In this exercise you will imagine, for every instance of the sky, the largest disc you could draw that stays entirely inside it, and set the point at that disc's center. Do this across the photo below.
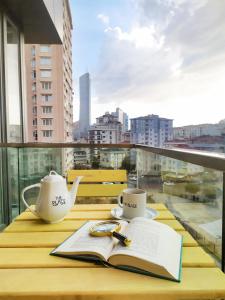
(164, 57)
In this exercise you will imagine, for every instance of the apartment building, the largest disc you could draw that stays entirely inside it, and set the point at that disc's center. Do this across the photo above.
(112, 159)
(107, 130)
(191, 131)
(151, 130)
(204, 142)
(50, 91)
(49, 87)
(122, 117)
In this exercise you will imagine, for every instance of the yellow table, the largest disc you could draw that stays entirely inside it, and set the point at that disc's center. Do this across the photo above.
(27, 271)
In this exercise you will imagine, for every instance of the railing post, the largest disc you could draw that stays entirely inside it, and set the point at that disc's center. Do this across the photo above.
(223, 227)
(137, 182)
(5, 188)
(19, 176)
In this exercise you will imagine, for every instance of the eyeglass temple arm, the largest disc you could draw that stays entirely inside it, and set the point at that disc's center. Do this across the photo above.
(122, 238)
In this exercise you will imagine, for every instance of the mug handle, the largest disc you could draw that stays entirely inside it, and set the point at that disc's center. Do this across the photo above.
(24, 201)
(119, 200)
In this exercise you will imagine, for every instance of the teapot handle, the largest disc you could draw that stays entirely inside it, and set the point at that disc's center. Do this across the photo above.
(24, 201)
(119, 200)
(53, 173)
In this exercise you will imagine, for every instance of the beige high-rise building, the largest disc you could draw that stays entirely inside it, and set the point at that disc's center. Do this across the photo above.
(50, 91)
(49, 88)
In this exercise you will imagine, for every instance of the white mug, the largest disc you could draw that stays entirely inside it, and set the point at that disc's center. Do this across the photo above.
(134, 203)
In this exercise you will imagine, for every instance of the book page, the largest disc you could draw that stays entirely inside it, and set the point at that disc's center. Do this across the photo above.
(81, 243)
(153, 242)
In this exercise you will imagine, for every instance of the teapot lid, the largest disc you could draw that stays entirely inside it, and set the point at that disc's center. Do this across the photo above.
(53, 176)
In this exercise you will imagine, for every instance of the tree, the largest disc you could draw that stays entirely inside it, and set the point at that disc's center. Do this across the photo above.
(95, 163)
(126, 164)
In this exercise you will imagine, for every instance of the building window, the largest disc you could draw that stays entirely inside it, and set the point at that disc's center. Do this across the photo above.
(44, 60)
(34, 122)
(47, 109)
(47, 133)
(45, 48)
(33, 52)
(34, 99)
(34, 87)
(35, 135)
(46, 97)
(46, 85)
(33, 74)
(46, 73)
(33, 63)
(47, 122)
(35, 110)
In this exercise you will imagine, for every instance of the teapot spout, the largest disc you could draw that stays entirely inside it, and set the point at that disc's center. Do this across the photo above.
(73, 191)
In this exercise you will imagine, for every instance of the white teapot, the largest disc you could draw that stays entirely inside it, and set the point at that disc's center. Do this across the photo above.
(54, 200)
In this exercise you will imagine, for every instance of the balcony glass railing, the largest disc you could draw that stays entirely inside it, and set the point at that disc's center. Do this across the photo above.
(193, 193)
(190, 184)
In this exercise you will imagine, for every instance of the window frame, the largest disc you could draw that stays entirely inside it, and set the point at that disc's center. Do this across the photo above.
(47, 46)
(47, 71)
(47, 131)
(46, 108)
(45, 83)
(6, 193)
(45, 121)
(46, 96)
(19, 56)
(42, 58)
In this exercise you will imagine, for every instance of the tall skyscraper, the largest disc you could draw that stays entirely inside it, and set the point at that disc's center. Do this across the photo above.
(49, 87)
(85, 105)
(151, 130)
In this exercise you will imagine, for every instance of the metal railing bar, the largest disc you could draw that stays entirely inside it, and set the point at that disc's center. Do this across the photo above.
(223, 227)
(203, 158)
(64, 145)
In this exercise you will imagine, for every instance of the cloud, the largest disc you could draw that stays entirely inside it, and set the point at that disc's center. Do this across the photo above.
(133, 63)
(172, 48)
(140, 37)
(103, 18)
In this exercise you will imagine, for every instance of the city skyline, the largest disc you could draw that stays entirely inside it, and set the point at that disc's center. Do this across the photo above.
(168, 57)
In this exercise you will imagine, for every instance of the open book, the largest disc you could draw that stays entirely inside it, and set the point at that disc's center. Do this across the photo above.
(155, 248)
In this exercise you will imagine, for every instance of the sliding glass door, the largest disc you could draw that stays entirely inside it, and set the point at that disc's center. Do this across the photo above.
(11, 130)
(12, 82)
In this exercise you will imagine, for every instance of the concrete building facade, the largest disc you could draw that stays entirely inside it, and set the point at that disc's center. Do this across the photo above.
(85, 105)
(122, 117)
(191, 131)
(49, 87)
(107, 130)
(151, 130)
(112, 159)
(204, 142)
